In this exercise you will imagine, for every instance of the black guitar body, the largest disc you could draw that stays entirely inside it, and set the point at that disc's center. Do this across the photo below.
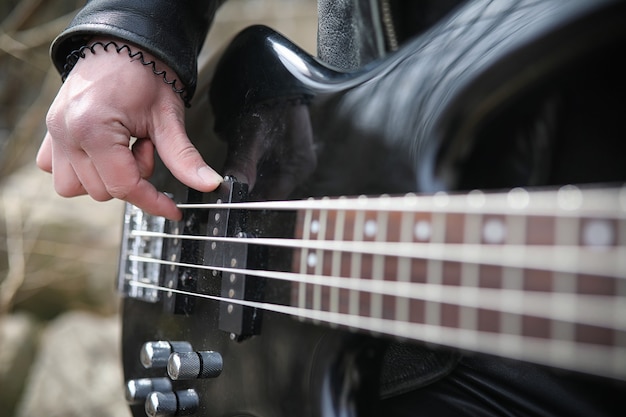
(292, 369)
(527, 94)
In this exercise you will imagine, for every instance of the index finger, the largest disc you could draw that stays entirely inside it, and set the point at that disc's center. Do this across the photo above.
(122, 178)
(181, 157)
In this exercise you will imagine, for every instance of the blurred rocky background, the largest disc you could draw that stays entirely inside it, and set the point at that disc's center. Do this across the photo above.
(59, 323)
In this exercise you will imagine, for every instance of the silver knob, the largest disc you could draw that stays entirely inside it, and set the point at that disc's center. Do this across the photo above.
(179, 403)
(137, 390)
(192, 365)
(155, 354)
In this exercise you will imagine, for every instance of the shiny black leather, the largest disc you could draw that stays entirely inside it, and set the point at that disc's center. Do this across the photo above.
(173, 31)
(350, 33)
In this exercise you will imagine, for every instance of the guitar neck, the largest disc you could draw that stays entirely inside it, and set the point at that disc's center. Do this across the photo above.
(538, 276)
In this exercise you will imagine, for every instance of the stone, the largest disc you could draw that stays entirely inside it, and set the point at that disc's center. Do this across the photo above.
(78, 370)
(18, 344)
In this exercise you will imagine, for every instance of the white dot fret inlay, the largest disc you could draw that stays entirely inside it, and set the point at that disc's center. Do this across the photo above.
(422, 230)
(315, 226)
(370, 228)
(598, 233)
(311, 260)
(494, 231)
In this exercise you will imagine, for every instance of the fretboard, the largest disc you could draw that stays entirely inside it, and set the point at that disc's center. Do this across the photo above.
(539, 276)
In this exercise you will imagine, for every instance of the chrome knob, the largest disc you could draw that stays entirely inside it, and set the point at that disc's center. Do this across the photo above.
(179, 403)
(155, 354)
(193, 365)
(137, 390)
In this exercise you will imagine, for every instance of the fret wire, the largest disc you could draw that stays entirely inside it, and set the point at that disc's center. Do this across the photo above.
(566, 231)
(434, 271)
(468, 317)
(589, 358)
(540, 257)
(404, 266)
(378, 264)
(304, 254)
(620, 290)
(321, 235)
(593, 309)
(355, 261)
(513, 278)
(336, 259)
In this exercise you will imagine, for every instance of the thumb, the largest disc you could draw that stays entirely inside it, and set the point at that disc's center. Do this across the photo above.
(182, 158)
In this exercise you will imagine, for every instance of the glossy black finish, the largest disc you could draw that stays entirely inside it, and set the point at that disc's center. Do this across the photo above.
(450, 108)
(293, 368)
(492, 96)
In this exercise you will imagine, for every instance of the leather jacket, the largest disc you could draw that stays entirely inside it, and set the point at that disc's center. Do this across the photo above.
(173, 31)
(351, 33)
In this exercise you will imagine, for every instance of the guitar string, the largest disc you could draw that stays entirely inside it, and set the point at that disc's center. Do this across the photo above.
(606, 212)
(595, 310)
(570, 259)
(592, 358)
(608, 203)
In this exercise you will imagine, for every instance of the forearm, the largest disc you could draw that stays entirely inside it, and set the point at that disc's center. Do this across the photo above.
(172, 31)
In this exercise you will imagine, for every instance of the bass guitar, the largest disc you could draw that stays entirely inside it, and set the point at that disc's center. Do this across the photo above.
(418, 200)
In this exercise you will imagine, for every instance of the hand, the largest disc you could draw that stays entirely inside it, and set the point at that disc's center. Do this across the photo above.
(107, 99)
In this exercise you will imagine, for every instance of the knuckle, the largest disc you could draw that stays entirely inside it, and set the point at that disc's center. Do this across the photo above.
(71, 121)
(80, 125)
(52, 120)
(121, 190)
(100, 196)
(188, 153)
(68, 189)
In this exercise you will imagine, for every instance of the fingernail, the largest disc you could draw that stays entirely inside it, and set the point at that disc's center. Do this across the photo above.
(209, 176)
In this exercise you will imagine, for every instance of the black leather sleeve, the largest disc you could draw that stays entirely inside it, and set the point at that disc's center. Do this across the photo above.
(172, 31)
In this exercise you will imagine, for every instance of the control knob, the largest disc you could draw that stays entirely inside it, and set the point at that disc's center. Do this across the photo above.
(155, 354)
(194, 365)
(137, 390)
(179, 403)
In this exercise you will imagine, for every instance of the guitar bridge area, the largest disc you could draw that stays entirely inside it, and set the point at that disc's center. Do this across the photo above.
(154, 259)
(140, 242)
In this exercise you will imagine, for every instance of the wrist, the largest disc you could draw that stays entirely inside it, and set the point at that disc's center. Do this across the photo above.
(120, 47)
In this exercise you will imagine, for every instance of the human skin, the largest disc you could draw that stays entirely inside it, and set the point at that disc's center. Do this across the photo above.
(107, 99)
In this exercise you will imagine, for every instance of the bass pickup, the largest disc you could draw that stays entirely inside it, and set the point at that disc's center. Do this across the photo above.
(226, 259)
